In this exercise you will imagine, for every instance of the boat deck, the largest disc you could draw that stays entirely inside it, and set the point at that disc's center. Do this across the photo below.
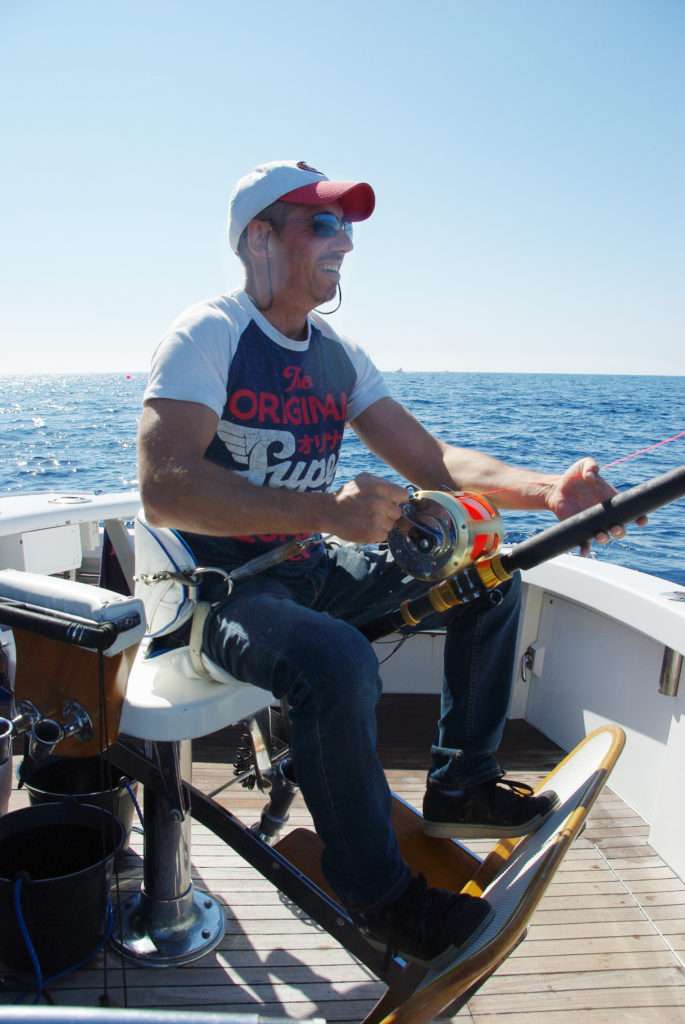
(607, 943)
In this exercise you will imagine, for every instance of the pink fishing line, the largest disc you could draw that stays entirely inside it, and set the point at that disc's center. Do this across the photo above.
(641, 451)
(615, 462)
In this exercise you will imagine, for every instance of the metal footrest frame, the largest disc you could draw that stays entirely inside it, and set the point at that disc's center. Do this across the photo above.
(171, 923)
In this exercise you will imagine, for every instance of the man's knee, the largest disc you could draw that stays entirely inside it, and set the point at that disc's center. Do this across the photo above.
(339, 666)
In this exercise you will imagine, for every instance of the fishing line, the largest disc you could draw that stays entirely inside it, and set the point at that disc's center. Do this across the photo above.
(641, 451)
(614, 462)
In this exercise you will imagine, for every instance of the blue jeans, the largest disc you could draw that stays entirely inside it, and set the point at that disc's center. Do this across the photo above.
(294, 636)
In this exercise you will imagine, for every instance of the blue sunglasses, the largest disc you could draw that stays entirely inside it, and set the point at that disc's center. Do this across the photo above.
(327, 225)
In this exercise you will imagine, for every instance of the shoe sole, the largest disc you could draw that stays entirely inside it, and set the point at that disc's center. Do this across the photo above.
(456, 830)
(447, 956)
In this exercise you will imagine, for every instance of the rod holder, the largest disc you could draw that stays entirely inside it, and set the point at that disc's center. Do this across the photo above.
(26, 717)
(44, 737)
(671, 668)
(46, 733)
(6, 733)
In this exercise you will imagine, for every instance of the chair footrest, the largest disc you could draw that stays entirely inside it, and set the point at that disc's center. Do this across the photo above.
(444, 862)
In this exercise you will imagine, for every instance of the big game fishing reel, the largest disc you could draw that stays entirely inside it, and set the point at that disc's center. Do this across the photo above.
(453, 540)
(442, 533)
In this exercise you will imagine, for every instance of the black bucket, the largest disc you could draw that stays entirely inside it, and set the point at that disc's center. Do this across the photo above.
(85, 780)
(64, 854)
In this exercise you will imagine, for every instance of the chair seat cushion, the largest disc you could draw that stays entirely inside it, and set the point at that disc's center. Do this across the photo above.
(166, 699)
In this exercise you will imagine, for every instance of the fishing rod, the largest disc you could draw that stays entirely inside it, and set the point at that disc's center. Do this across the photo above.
(453, 540)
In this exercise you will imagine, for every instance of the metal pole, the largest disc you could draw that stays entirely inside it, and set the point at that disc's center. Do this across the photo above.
(671, 667)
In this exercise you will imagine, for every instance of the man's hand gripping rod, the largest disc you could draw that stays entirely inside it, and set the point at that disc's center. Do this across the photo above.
(455, 539)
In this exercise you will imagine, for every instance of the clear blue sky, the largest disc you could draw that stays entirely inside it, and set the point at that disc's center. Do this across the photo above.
(527, 159)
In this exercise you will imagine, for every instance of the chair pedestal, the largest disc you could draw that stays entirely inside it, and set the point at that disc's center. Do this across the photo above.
(168, 922)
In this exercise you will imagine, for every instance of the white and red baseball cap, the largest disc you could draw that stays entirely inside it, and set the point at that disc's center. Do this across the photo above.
(293, 181)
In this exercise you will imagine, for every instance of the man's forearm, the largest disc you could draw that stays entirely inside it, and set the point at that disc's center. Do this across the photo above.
(392, 433)
(202, 497)
(509, 486)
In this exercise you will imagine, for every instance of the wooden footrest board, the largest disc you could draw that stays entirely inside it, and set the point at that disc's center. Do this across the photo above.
(526, 868)
(444, 862)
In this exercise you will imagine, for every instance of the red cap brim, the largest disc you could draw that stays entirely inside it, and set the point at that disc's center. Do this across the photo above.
(356, 197)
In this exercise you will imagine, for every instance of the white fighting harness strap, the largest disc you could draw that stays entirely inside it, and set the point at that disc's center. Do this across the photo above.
(190, 578)
(202, 610)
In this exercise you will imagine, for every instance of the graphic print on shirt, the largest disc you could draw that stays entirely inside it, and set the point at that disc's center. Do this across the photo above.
(255, 447)
(281, 404)
(285, 413)
(250, 445)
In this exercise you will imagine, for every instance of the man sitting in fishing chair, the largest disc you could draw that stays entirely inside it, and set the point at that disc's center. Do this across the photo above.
(245, 409)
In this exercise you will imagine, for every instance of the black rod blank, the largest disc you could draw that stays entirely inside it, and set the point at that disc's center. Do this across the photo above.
(623, 508)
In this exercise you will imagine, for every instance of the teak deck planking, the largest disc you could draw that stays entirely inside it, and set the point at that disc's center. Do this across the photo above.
(606, 945)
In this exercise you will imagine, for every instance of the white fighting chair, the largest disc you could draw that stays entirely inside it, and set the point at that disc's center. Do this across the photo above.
(176, 694)
(173, 696)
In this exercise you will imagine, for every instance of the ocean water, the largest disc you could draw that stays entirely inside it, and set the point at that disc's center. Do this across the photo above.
(77, 433)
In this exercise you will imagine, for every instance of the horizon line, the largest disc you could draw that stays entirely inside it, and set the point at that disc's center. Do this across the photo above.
(407, 372)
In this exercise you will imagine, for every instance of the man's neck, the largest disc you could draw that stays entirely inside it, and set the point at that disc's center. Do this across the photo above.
(289, 320)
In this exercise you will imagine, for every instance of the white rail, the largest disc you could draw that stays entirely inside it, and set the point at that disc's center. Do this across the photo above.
(43, 510)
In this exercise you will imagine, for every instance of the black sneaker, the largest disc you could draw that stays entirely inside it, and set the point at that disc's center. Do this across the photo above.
(499, 809)
(428, 926)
